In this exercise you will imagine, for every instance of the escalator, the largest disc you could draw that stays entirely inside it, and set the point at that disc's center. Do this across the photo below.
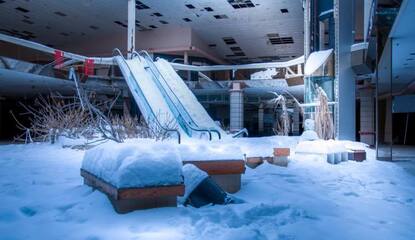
(162, 96)
(181, 101)
(149, 99)
(186, 97)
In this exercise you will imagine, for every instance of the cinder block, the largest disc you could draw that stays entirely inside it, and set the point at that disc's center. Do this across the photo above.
(331, 158)
(280, 152)
(334, 158)
(357, 155)
(345, 156)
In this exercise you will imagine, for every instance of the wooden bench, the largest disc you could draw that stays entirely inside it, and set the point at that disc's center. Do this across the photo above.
(125, 200)
(226, 173)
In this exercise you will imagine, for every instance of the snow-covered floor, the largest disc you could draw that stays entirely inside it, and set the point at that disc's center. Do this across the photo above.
(42, 197)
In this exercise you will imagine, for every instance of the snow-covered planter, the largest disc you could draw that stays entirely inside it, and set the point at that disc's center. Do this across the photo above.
(137, 175)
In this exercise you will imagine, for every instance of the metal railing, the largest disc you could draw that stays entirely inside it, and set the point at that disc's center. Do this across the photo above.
(241, 132)
(144, 100)
(176, 101)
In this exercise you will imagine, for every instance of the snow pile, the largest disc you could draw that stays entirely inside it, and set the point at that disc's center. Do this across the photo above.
(263, 146)
(199, 150)
(193, 176)
(41, 190)
(266, 74)
(316, 60)
(309, 135)
(321, 147)
(135, 164)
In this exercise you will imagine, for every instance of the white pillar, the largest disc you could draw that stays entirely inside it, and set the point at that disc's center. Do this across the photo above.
(131, 28)
(321, 36)
(306, 6)
(367, 116)
(236, 100)
(261, 118)
(126, 103)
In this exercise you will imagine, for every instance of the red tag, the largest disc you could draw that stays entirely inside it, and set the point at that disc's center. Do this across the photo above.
(58, 57)
(89, 67)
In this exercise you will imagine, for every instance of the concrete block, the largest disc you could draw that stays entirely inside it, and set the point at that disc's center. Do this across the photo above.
(334, 158)
(345, 156)
(357, 155)
(280, 152)
(280, 161)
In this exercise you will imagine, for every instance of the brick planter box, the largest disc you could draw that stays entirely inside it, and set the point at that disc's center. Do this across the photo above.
(125, 200)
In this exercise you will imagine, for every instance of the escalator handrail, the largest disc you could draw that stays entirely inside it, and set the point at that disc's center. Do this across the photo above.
(153, 68)
(170, 103)
(210, 129)
(146, 103)
(149, 59)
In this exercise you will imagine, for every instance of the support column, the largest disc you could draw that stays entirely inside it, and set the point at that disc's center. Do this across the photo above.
(131, 28)
(388, 121)
(236, 100)
(233, 76)
(261, 118)
(345, 82)
(126, 103)
(306, 6)
(186, 61)
(367, 116)
(296, 121)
